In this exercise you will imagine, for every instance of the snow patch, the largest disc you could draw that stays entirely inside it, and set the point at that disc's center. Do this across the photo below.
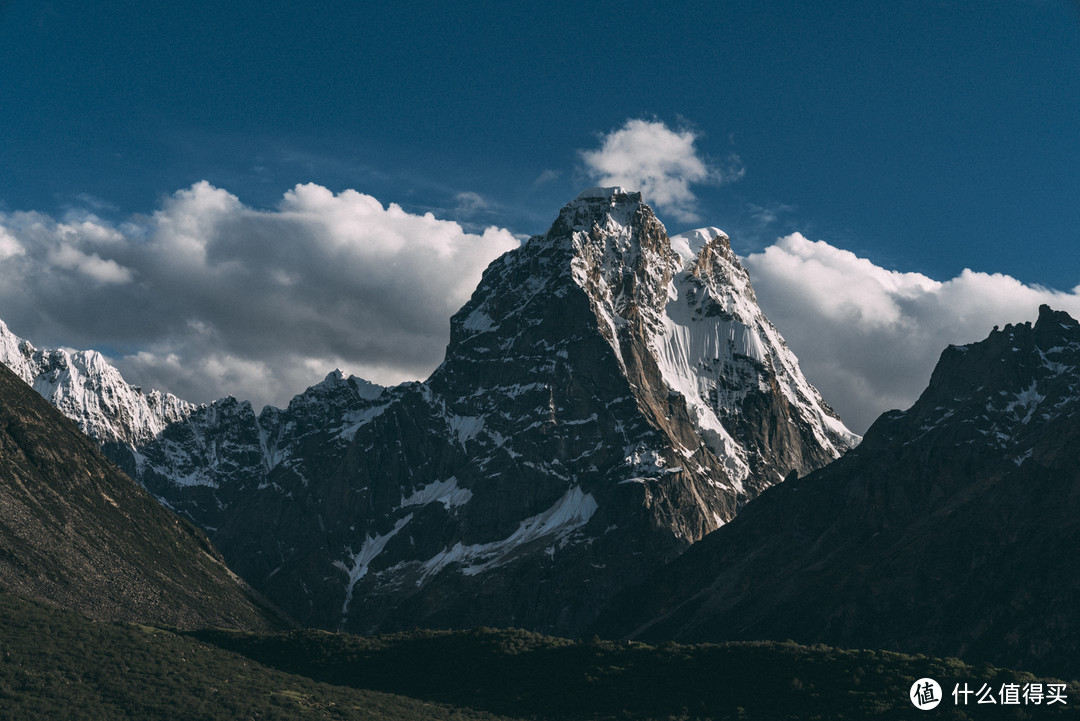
(444, 492)
(465, 427)
(479, 322)
(1027, 402)
(362, 559)
(354, 420)
(569, 513)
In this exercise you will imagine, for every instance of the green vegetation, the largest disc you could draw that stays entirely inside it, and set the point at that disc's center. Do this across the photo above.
(524, 674)
(58, 665)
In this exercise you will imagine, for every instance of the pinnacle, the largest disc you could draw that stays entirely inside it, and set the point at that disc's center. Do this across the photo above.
(1055, 328)
(1048, 315)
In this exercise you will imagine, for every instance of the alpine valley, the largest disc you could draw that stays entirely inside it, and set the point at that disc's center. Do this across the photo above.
(619, 442)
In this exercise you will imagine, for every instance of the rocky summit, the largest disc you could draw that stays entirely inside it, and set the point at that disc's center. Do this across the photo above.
(609, 396)
(950, 530)
(86, 388)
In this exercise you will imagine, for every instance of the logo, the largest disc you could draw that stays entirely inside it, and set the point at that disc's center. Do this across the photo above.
(925, 694)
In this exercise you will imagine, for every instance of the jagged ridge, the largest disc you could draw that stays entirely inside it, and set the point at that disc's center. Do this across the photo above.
(86, 388)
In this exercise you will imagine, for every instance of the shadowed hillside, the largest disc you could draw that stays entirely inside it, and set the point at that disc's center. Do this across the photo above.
(78, 533)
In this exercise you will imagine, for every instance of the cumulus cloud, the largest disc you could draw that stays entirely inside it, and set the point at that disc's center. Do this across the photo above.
(9, 245)
(660, 162)
(208, 297)
(91, 265)
(869, 337)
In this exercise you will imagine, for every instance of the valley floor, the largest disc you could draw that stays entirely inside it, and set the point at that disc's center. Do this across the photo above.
(57, 665)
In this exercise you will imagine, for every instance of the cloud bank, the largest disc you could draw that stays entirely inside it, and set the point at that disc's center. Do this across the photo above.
(209, 297)
(869, 337)
(660, 162)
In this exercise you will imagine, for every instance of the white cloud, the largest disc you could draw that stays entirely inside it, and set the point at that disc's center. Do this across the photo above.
(869, 337)
(9, 245)
(90, 264)
(662, 163)
(209, 297)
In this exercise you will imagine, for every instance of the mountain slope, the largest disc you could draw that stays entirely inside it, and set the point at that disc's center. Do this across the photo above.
(608, 397)
(950, 530)
(76, 532)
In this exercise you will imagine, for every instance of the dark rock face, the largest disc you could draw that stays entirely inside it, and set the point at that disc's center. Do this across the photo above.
(76, 532)
(950, 530)
(605, 401)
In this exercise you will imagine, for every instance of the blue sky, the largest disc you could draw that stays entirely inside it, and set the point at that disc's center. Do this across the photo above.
(923, 137)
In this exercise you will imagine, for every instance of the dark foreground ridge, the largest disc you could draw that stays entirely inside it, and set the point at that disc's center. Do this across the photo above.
(76, 532)
(57, 664)
(951, 530)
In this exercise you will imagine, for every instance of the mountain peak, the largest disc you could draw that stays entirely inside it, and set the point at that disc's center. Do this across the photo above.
(90, 391)
(606, 208)
(996, 393)
(1052, 322)
(690, 243)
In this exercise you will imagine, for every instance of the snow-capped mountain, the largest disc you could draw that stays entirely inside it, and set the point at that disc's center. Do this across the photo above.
(608, 397)
(91, 392)
(950, 530)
